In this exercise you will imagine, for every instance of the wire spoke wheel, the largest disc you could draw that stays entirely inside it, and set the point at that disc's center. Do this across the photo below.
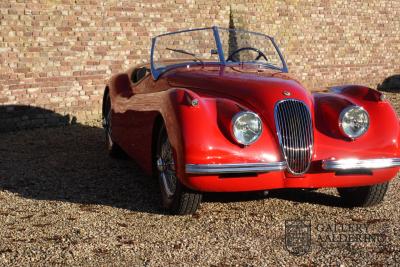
(176, 197)
(166, 168)
(108, 128)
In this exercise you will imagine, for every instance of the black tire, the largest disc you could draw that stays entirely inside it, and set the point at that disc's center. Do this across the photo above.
(363, 196)
(114, 150)
(176, 198)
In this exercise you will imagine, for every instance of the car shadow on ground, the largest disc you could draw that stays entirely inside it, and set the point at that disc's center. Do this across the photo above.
(71, 164)
(308, 196)
(294, 195)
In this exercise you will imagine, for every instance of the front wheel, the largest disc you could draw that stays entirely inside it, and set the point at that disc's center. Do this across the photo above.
(363, 196)
(176, 198)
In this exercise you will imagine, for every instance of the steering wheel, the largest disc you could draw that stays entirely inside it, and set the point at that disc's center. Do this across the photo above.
(260, 54)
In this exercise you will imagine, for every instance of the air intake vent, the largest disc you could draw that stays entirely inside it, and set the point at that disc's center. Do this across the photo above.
(295, 133)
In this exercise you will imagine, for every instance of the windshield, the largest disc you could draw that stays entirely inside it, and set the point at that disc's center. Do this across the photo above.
(214, 46)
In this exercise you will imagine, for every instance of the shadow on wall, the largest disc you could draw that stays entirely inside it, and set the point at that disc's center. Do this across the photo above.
(390, 84)
(18, 117)
(71, 164)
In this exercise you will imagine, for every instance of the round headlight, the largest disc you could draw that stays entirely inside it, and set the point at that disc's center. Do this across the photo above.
(246, 127)
(354, 121)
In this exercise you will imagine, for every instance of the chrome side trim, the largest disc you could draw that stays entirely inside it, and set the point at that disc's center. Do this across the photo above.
(354, 164)
(235, 168)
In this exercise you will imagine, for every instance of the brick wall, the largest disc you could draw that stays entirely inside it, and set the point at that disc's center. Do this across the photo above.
(56, 55)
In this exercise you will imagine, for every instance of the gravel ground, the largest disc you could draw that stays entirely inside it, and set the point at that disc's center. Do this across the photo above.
(65, 202)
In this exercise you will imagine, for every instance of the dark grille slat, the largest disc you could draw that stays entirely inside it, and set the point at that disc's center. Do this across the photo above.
(299, 163)
(305, 152)
(296, 140)
(302, 151)
(286, 136)
(294, 129)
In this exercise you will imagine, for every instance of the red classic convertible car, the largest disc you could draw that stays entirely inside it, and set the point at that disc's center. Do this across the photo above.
(216, 111)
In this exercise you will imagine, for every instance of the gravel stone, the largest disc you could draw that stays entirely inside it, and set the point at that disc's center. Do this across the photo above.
(65, 202)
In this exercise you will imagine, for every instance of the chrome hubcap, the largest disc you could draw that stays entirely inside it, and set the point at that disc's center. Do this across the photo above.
(166, 167)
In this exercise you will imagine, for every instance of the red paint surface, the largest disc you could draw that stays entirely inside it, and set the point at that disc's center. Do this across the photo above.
(200, 134)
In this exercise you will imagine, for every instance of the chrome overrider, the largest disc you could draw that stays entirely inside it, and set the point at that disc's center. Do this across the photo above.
(330, 165)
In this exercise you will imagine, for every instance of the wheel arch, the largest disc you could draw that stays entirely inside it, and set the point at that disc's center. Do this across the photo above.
(157, 124)
(105, 94)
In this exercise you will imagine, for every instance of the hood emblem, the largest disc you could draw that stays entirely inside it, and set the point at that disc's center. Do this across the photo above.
(286, 93)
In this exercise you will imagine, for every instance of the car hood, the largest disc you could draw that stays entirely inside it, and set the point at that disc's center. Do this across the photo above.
(257, 89)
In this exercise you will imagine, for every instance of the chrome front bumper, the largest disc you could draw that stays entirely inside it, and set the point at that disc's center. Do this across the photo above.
(357, 164)
(235, 168)
(329, 165)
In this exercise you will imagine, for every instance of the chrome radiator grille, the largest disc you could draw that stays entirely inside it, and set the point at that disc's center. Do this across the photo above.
(295, 133)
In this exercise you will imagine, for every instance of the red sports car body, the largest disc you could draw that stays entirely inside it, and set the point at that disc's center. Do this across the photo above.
(233, 124)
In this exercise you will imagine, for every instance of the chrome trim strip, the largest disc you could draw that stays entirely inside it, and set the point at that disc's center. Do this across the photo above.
(235, 168)
(355, 164)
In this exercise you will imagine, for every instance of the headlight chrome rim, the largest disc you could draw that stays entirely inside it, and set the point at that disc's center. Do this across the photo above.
(343, 114)
(237, 116)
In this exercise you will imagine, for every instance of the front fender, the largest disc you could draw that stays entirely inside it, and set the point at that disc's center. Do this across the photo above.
(381, 139)
(200, 133)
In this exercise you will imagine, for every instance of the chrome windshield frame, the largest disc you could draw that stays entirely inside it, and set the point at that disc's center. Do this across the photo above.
(156, 72)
